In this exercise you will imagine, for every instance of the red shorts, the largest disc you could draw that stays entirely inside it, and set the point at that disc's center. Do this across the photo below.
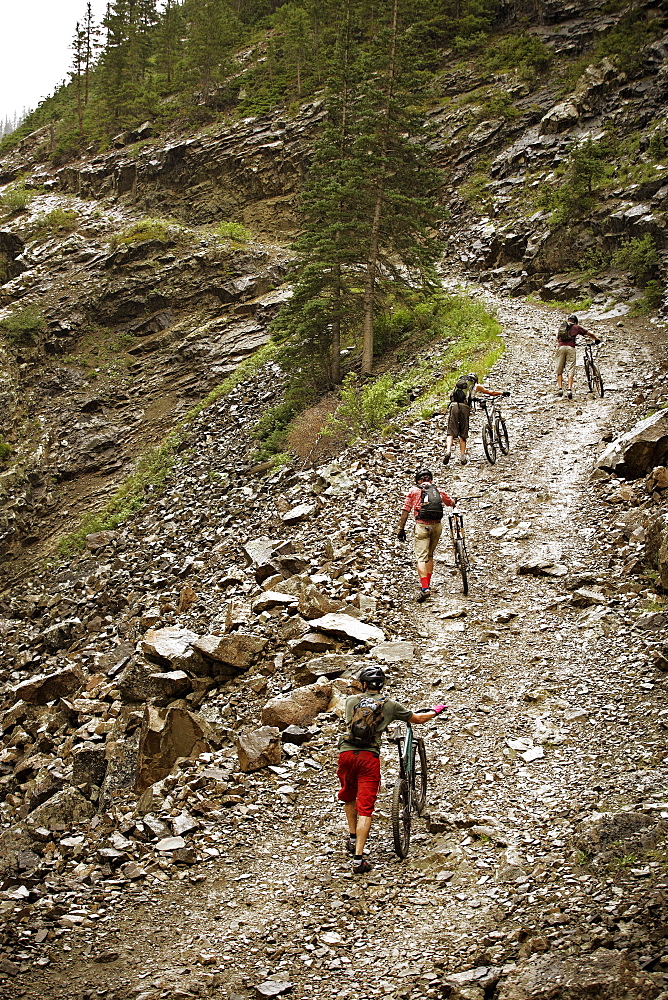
(359, 774)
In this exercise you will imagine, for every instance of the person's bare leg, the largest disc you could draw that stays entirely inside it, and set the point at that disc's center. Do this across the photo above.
(462, 446)
(351, 816)
(363, 827)
(425, 568)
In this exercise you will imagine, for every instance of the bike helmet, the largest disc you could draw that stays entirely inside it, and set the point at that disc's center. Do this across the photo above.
(373, 677)
(472, 377)
(572, 319)
(423, 474)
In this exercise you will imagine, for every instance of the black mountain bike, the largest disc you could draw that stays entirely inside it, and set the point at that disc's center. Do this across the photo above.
(456, 521)
(594, 380)
(410, 791)
(494, 430)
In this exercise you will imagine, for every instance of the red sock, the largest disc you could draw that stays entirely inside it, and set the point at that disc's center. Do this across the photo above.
(424, 582)
(428, 579)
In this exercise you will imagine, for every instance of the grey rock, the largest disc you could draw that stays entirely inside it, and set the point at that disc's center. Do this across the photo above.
(259, 749)
(299, 707)
(605, 974)
(237, 650)
(89, 764)
(349, 627)
(65, 807)
(638, 451)
(394, 652)
(140, 682)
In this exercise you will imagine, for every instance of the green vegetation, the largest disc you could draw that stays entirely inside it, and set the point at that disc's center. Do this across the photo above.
(525, 53)
(144, 230)
(16, 199)
(574, 195)
(58, 221)
(233, 231)
(21, 328)
(5, 450)
(640, 257)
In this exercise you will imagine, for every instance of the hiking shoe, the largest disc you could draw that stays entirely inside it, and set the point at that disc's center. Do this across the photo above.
(560, 392)
(446, 458)
(361, 867)
(570, 394)
(464, 460)
(423, 595)
(350, 846)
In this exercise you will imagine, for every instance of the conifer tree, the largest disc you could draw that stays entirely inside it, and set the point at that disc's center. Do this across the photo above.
(212, 31)
(169, 36)
(77, 72)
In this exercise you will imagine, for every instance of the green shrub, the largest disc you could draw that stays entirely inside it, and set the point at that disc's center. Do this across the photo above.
(22, 327)
(366, 406)
(651, 299)
(60, 220)
(233, 231)
(16, 199)
(5, 451)
(524, 52)
(142, 231)
(639, 257)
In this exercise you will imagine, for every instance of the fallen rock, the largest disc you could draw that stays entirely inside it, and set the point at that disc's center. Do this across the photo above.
(65, 807)
(139, 682)
(542, 567)
(394, 652)
(642, 448)
(298, 708)
(60, 635)
(89, 764)
(605, 974)
(237, 650)
(351, 628)
(273, 599)
(172, 647)
(259, 749)
(165, 736)
(49, 687)
(330, 666)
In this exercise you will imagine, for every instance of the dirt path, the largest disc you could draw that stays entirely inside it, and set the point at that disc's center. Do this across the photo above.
(520, 662)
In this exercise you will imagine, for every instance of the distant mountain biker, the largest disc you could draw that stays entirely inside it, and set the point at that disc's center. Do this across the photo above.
(461, 400)
(567, 336)
(359, 763)
(426, 501)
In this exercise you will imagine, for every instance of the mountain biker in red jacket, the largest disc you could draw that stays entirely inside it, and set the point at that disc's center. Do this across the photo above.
(427, 528)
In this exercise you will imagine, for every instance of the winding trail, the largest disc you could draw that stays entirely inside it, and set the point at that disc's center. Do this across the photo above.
(520, 661)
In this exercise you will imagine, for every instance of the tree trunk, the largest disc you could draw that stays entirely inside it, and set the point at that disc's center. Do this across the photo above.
(336, 330)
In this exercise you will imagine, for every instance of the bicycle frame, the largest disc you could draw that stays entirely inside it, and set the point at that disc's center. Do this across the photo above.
(406, 757)
(456, 522)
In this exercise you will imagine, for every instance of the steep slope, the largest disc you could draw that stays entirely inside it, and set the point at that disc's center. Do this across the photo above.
(530, 868)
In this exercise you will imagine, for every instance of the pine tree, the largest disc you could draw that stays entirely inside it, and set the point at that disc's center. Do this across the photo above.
(92, 40)
(212, 31)
(170, 33)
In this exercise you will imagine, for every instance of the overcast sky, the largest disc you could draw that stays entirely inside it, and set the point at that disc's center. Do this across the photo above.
(35, 54)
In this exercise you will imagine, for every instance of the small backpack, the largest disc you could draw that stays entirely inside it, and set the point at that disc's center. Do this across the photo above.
(431, 506)
(367, 716)
(461, 391)
(564, 333)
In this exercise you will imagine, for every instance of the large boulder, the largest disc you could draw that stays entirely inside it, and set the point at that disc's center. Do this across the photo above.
(50, 687)
(349, 628)
(259, 749)
(605, 975)
(62, 809)
(237, 649)
(638, 451)
(166, 735)
(173, 648)
(299, 707)
(89, 764)
(656, 547)
(141, 682)
(61, 634)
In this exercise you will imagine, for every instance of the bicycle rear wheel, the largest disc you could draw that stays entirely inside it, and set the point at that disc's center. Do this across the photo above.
(589, 373)
(502, 435)
(419, 776)
(401, 818)
(488, 444)
(461, 562)
(598, 382)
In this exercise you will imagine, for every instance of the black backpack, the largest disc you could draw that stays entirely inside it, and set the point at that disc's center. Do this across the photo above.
(367, 716)
(431, 507)
(461, 392)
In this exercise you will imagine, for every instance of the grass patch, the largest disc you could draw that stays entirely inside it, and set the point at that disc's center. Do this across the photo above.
(143, 231)
(57, 222)
(22, 328)
(233, 231)
(16, 199)
(5, 451)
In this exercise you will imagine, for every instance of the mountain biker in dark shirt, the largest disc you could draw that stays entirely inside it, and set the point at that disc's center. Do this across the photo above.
(566, 357)
(463, 395)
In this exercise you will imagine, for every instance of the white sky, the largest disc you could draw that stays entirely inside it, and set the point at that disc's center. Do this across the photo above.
(35, 54)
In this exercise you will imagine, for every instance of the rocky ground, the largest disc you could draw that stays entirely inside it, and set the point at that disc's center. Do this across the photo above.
(145, 856)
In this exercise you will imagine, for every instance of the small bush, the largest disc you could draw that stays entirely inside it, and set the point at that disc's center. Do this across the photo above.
(524, 52)
(141, 232)
(650, 300)
(5, 451)
(21, 328)
(366, 406)
(16, 199)
(233, 231)
(60, 220)
(639, 257)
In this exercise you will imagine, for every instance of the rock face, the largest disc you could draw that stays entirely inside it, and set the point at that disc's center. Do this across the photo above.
(166, 736)
(299, 708)
(638, 451)
(606, 975)
(259, 749)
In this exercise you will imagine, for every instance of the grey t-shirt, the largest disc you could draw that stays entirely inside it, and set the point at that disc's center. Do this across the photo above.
(393, 711)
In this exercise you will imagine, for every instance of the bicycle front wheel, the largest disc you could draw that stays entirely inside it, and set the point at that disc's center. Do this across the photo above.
(598, 383)
(462, 563)
(502, 436)
(419, 776)
(401, 818)
(488, 444)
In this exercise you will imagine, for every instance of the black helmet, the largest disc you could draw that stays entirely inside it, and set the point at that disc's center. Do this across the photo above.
(423, 474)
(373, 677)
(572, 319)
(472, 377)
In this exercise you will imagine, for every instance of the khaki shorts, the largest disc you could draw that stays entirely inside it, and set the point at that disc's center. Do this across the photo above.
(565, 358)
(426, 539)
(458, 420)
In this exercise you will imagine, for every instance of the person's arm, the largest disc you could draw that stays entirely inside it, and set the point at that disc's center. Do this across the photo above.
(417, 719)
(488, 392)
(447, 500)
(409, 503)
